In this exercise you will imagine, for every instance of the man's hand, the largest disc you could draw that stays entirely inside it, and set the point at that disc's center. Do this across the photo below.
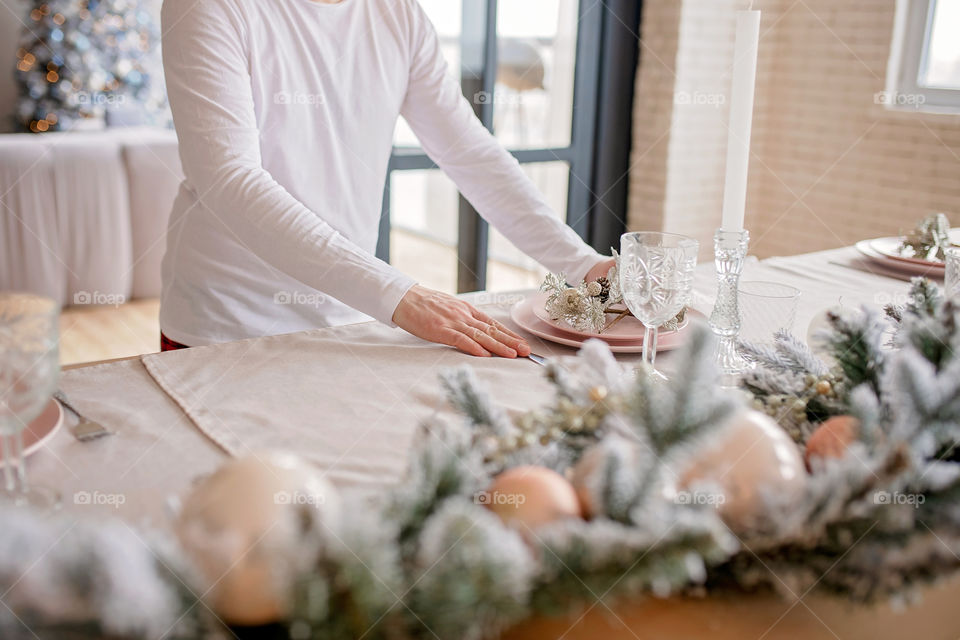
(438, 317)
(600, 269)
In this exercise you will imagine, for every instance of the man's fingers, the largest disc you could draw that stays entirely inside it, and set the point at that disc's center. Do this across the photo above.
(517, 345)
(482, 317)
(488, 341)
(461, 341)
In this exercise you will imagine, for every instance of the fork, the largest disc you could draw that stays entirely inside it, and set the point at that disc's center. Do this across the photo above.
(86, 429)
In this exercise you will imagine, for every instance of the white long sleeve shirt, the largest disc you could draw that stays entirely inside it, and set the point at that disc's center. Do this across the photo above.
(285, 111)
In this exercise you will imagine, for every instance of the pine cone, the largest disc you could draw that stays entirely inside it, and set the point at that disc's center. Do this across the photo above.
(604, 288)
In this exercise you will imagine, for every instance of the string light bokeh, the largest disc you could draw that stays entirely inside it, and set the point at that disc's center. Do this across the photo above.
(81, 60)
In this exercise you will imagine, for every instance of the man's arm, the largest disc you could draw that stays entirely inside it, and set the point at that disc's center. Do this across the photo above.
(487, 175)
(210, 94)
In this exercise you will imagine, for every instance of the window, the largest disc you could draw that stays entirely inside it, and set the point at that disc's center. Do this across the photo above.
(532, 71)
(924, 69)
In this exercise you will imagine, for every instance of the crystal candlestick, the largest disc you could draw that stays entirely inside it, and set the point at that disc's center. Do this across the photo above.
(730, 250)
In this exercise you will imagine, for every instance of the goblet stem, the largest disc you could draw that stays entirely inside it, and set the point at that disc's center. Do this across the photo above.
(19, 460)
(653, 348)
(647, 337)
(650, 336)
(8, 474)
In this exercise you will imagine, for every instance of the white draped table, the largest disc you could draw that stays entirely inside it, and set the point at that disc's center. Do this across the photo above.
(348, 398)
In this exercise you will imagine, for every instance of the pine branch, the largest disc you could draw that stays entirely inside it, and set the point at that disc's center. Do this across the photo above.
(928, 323)
(675, 413)
(473, 575)
(466, 395)
(443, 466)
(56, 570)
(352, 590)
(581, 560)
(856, 343)
(797, 352)
(787, 355)
(925, 298)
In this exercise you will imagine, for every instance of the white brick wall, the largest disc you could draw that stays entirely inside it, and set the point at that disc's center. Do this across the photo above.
(829, 165)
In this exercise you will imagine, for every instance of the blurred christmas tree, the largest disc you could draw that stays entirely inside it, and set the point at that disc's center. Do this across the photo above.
(84, 62)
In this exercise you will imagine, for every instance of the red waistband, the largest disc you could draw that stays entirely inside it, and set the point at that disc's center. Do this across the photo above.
(166, 344)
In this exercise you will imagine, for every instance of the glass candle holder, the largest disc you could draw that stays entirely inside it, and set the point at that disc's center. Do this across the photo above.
(730, 251)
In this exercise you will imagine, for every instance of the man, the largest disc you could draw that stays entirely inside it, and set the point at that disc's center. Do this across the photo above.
(285, 111)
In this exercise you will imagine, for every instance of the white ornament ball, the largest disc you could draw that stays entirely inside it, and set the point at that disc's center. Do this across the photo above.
(832, 439)
(244, 528)
(583, 477)
(589, 475)
(749, 457)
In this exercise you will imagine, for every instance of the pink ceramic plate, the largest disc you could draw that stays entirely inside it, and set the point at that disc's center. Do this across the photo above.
(628, 329)
(40, 429)
(524, 314)
(928, 269)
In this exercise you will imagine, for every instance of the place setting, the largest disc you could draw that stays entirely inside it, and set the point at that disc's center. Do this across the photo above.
(608, 308)
(928, 250)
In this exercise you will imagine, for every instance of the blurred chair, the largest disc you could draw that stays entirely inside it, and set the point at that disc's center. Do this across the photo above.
(520, 68)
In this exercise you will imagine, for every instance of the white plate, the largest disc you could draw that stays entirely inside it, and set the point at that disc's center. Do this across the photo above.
(524, 315)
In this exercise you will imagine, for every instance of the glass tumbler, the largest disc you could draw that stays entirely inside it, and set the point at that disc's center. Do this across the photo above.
(29, 369)
(765, 308)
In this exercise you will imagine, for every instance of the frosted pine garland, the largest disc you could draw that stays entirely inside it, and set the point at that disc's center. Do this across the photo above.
(425, 560)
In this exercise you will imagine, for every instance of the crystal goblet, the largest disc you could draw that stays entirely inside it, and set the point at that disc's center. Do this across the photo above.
(656, 277)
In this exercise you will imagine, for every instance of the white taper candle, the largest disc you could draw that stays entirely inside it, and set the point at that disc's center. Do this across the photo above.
(741, 119)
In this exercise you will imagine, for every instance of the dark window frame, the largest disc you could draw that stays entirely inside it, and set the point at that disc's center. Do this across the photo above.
(599, 151)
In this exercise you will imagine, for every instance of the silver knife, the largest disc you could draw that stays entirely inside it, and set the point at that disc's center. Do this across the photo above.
(540, 360)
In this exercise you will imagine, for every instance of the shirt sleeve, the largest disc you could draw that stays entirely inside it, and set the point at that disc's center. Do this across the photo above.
(485, 173)
(209, 88)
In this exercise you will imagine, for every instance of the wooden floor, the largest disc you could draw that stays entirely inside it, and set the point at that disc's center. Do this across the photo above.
(104, 333)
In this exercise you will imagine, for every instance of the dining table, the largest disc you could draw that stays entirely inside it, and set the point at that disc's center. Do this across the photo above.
(350, 400)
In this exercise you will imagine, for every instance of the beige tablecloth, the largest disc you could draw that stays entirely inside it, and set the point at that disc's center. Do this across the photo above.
(349, 398)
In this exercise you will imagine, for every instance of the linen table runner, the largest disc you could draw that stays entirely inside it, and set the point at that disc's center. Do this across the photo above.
(347, 398)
